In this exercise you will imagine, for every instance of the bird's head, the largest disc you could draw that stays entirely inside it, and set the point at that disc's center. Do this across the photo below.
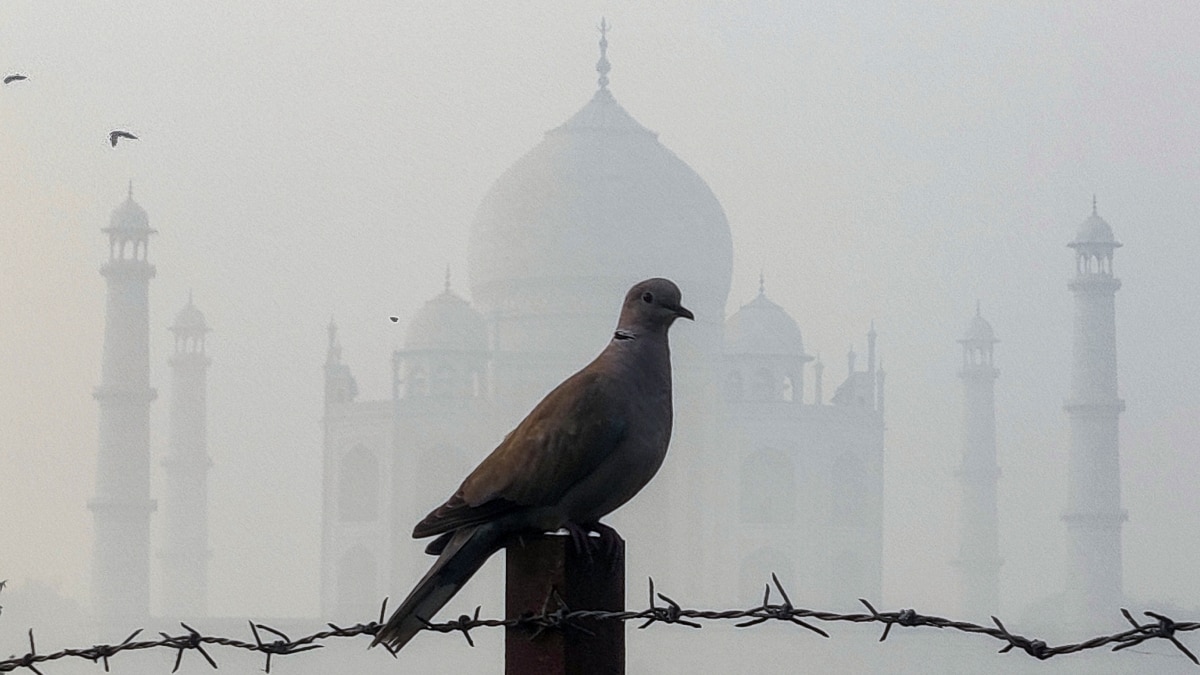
(653, 304)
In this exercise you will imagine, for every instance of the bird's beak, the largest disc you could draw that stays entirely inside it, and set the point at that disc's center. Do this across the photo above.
(684, 312)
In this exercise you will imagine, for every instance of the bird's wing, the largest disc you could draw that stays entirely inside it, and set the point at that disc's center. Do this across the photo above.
(560, 442)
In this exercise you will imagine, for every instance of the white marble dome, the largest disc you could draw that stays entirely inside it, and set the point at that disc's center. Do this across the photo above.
(596, 206)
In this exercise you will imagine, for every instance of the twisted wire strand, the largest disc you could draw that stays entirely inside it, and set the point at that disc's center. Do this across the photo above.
(562, 617)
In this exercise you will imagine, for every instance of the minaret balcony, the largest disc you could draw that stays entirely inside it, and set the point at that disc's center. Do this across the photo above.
(127, 269)
(190, 360)
(980, 371)
(1094, 284)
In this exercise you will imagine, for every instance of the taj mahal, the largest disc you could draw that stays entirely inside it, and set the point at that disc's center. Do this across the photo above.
(776, 464)
(598, 205)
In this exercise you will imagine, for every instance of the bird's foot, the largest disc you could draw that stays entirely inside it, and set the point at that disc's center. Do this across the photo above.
(606, 546)
(580, 540)
(609, 543)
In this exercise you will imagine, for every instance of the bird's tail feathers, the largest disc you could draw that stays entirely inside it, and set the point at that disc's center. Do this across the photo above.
(462, 556)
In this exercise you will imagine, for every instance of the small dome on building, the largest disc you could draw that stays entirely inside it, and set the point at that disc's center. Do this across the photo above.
(979, 330)
(189, 320)
(1094, 230)
(129, 215)
(447, 323)
(763, 327)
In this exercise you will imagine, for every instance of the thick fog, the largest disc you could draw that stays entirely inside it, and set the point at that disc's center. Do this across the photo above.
(894, 162)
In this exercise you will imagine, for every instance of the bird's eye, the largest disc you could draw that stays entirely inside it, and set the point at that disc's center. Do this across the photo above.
(647, 297)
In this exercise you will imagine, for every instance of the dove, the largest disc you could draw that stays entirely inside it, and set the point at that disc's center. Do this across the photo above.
(15, 77)
(115, 135)
(587, 448)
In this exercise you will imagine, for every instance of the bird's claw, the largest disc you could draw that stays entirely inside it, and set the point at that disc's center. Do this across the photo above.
(610, 542)
(608, 545)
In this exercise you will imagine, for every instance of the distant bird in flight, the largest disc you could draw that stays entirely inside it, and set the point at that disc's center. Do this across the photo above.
(586, 449)
(15, 77)
(395, 319)
(113, 136)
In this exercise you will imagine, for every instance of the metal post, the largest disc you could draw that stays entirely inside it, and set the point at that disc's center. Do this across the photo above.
(545, 572)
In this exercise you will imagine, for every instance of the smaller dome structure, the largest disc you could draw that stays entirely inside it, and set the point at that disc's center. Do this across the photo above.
(189, 320)
(979, 330)
(447, 323)
(763, 327)
(129, 215)
(1094, 230)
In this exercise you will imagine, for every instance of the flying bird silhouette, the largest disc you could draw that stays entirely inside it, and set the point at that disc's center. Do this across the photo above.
(591, 444)
(15, 77)
(114, 136)
(395, 319)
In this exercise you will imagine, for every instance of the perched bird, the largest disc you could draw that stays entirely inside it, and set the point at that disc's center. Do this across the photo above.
(15, 77)
(114, 136)
(586, 449)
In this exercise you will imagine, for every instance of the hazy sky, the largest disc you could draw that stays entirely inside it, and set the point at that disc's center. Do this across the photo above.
(893, 162)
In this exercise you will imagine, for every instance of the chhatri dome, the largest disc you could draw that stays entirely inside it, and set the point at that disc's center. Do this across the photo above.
(597, 205)
(762, 327)
(446, 323)
(190, 320)
(129, 215)
(979, 330)
(1094, 230)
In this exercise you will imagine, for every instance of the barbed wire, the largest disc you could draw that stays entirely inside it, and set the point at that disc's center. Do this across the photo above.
(562, 617)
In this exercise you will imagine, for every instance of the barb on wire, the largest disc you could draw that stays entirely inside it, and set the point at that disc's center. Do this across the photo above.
(556, 615)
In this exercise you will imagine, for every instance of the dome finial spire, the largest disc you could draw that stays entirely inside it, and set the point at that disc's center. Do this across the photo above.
(447, 277)
(603, 66)
(130, 193)
(1093, 203)
(762, 286)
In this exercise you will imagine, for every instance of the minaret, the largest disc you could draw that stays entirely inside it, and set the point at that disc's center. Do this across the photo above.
(978, 559)
(1094, 515)
(871, 335)
(880, 375)
(340, 386)
(122, 506)
(818, 382)
(185, 551)
(340, 389)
